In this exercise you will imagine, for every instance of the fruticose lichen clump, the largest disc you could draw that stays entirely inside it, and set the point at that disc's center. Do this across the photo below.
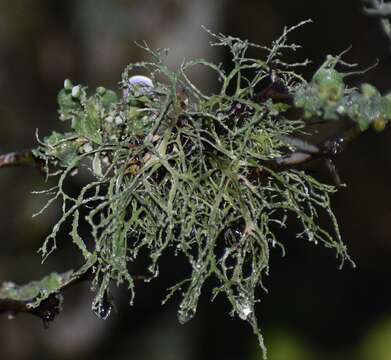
(175, 170)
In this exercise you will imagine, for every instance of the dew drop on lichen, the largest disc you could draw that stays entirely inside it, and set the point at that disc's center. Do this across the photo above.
(185, 315)
(245, 312)
(244, 307)
(102, 308)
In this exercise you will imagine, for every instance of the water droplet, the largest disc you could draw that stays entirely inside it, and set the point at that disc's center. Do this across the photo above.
(244, 307)
(310, 236)
(140, 80)
(76, 91)
(102, 308)
(238, 234)
(197, 265)
(245, 312)
(185, 315)
(138, 83)
(49, 308)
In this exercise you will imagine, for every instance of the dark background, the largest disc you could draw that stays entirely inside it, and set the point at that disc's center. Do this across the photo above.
(312, 310)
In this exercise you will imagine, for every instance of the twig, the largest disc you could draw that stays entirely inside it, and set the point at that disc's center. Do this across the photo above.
(306, 152)
(327, 150)
(23, 158)
(50, 307)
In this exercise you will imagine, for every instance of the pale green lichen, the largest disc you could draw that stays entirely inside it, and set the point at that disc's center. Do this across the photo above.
(176, 170)
(35, 292)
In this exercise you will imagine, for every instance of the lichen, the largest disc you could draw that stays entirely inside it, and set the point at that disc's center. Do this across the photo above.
(35, 291)
(175, 170)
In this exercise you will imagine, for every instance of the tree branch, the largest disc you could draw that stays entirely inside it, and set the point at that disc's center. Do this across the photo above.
(306, 152)
(48, 308)
(23, 158)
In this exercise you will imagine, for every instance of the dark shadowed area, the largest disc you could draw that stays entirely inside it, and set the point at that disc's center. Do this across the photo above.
(313, 310)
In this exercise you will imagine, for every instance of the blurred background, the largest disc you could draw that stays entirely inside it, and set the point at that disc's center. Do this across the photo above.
(312, 310)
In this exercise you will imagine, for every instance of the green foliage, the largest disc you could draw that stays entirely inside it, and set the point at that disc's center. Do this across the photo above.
(178, 171)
